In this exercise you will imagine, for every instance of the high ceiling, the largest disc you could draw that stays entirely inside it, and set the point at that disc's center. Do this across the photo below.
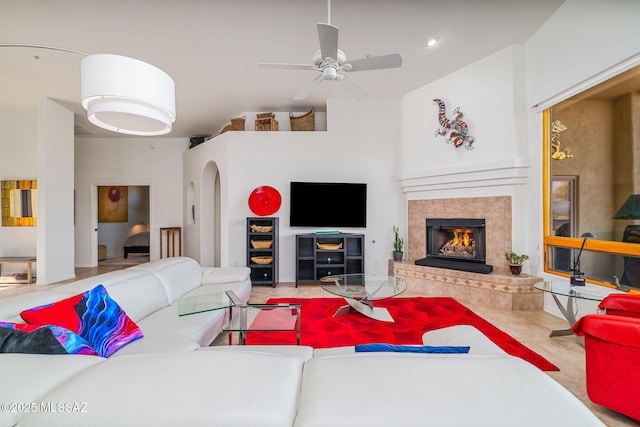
(211, 48)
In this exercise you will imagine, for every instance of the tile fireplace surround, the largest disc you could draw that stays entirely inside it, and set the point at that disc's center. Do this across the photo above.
(499, 289)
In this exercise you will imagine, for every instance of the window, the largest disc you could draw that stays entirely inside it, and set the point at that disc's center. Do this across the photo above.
(591, 169)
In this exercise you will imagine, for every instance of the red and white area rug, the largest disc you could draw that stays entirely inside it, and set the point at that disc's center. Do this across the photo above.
(413, 317)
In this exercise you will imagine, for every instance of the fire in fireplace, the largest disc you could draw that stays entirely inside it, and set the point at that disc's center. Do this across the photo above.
(461, 245)
(456, 243)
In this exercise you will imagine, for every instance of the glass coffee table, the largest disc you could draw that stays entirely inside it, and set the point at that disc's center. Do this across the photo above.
(360, 290)
(586, 292)
(244, 317)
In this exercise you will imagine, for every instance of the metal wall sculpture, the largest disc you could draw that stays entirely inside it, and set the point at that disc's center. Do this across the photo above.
(456, 130)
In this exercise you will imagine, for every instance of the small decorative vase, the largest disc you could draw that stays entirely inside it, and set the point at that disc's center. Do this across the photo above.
(516, 269)
(397, 256)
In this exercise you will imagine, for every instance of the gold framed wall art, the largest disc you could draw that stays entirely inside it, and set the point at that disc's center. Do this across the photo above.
(113, 203)
(19, 203)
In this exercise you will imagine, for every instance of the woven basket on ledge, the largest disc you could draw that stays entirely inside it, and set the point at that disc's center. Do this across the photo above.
(305, 122)
(237, 123)
(261, 228)
(266, 123)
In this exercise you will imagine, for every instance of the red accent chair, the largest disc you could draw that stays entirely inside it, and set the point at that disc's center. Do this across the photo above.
(621, 305)
(612, 350)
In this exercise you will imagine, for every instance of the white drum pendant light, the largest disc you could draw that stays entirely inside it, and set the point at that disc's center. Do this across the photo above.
(126, 95)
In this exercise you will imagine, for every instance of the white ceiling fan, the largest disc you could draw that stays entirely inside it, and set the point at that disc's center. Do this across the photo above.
(332, 63)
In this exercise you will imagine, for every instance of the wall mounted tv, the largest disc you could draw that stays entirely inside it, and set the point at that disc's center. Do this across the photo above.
(328, 204)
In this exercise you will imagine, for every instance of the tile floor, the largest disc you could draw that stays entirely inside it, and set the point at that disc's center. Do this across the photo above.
(530, 328)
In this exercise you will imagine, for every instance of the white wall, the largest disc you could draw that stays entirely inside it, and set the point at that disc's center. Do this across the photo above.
(485, 93)
(17, 161)
(488, 94)
(153, 162)
(360, 145)
(583, 38)
(55, 249)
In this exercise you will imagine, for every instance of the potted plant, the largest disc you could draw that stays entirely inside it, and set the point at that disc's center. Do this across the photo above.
(398, 244)
(515, 262)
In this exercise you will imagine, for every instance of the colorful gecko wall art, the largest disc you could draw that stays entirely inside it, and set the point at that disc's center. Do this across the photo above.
(457, 128)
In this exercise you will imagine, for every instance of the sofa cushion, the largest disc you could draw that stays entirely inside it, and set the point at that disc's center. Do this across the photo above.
(29, 378)
(139, 293)
(47, 339)
(302, 352)
(202, 328)
(158, 344)
(10, 308)
(391, 389)
(93, 315)
(465, 335)
(213, 275)
(178, 275)
(197, 388)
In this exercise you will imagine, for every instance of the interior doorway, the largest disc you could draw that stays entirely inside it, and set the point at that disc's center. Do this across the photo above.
(122, 224)
(210, 244)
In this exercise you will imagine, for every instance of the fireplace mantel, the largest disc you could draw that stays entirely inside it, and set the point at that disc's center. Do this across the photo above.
(499, 173)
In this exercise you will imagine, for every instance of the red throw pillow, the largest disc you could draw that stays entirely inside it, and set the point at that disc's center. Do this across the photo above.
(93, 315)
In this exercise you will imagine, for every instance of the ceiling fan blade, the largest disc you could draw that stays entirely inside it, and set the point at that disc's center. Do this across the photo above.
(308, 88)
(374, 63)
(288, 66)
(352, 87)
(328, 36)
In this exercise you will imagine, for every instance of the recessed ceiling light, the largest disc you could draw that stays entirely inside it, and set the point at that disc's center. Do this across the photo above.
(431, 41)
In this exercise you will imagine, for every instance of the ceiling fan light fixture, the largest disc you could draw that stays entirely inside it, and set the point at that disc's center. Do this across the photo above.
(329, 73)
(126, 95)
(431, 41)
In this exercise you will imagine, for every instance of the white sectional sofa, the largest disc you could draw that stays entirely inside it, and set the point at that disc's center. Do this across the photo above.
(171, 377)
(148, 294)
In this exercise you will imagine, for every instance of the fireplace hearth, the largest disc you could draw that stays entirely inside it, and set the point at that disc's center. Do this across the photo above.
(457, 244)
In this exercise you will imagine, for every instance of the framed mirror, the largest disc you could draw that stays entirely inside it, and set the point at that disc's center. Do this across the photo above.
(19, 203)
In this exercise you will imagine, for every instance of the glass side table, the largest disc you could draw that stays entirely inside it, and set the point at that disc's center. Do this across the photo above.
(264, 318)
(205, 302)
(587, 292)
(244, 317)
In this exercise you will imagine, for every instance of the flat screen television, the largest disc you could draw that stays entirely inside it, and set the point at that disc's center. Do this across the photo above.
(328, 204)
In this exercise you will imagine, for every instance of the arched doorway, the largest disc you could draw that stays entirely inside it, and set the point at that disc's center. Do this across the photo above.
(210, 223)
